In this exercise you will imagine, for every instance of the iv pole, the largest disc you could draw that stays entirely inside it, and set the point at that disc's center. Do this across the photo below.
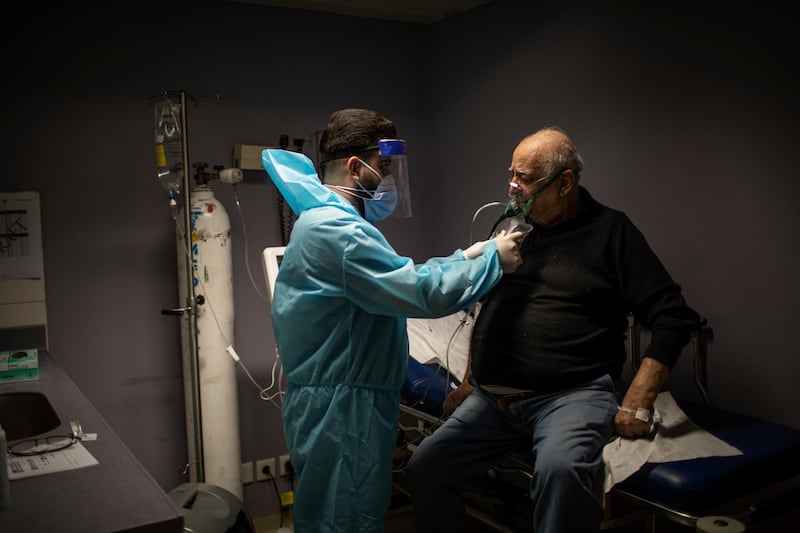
(213, 451)
(194, 427)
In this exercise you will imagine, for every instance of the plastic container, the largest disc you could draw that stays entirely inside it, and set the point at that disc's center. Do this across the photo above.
(5, 496)
(208, 508)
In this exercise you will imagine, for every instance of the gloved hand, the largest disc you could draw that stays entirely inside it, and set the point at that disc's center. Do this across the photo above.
(475, 250)
(508, 250)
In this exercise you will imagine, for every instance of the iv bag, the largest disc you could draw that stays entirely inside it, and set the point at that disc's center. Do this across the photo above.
(168, 144)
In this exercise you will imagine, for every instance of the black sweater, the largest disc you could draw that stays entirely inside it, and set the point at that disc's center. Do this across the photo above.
(561, 318)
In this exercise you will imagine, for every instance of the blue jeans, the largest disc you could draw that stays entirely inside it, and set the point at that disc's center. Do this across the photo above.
(566, 431)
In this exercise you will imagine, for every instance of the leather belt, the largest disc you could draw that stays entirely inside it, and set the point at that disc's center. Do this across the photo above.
(504, 401)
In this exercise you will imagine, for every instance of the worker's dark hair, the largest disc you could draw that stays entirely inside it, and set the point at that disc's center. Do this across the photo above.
(353, 131)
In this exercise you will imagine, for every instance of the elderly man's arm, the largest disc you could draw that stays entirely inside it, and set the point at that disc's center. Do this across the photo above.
(641, 395)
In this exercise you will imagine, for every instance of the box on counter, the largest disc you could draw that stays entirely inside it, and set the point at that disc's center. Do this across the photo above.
(19, 365)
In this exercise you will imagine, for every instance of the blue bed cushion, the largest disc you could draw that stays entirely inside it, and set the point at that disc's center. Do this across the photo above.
(771, 454)
(425, 387)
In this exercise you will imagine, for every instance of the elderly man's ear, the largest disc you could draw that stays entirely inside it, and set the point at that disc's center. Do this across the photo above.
(567, 182)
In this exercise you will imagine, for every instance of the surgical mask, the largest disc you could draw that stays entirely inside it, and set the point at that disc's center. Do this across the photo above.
(384, 201)
(381, 202)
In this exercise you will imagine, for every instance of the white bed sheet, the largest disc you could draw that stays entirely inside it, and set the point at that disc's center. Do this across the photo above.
(442, 340)
(674, 438)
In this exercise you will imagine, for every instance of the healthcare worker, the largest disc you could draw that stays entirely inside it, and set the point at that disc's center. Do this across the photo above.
(341, 299)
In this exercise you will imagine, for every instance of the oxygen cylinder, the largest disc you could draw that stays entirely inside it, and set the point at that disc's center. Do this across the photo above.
(212, 279)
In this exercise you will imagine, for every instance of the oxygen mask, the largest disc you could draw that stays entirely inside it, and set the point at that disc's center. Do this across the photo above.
(514, 213)
(515, 204)
(512, 224)
(515, 194)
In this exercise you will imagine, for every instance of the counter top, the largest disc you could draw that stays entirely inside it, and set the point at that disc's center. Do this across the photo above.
(117, 494)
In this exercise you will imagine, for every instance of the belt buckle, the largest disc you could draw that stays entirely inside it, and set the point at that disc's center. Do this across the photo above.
(503, 401)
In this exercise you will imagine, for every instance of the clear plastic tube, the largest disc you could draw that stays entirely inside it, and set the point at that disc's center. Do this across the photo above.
(478, 212)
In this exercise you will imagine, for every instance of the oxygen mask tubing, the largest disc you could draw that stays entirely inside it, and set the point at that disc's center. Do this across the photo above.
(515, 196)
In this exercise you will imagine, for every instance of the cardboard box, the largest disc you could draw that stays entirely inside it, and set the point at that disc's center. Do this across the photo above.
(248, 156)
(19, 365)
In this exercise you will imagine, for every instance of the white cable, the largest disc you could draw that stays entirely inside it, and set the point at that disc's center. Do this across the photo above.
(279, 394)
(246, 248)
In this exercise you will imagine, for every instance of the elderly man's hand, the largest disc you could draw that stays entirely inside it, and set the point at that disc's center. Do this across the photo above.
(455, 398)
(628, 426)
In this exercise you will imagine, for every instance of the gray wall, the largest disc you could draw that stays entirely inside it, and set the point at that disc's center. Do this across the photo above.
(684, 116)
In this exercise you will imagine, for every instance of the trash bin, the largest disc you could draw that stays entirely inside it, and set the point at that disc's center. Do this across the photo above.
(208, 508)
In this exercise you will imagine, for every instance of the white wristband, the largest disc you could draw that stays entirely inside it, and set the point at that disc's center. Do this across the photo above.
(640, 413)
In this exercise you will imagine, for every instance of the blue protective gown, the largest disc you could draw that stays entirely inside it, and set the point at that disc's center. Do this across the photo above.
(339, 311)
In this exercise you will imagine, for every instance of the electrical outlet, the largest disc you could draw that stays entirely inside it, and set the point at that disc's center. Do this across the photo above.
(247, 473)
(261, 475)
(283, 460)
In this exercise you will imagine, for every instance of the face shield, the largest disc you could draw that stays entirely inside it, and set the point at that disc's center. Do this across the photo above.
(391, 197)
(394, 177)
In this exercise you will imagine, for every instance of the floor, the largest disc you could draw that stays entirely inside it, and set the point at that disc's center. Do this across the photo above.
(271, 524)
(401, 520)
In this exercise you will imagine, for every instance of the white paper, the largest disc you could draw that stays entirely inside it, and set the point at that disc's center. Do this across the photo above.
(22, 466)
(21, 255)
(675, 438)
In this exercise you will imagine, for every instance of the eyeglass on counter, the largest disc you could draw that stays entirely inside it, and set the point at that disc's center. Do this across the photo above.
(49, 454)
(53, 443)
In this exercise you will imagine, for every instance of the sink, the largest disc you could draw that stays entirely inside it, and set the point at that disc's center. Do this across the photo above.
(26, 414)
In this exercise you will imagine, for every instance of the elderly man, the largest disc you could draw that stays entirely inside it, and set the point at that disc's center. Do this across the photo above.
(547, 351)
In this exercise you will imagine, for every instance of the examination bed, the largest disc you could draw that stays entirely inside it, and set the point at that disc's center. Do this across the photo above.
(760, 478)
(755, 476)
